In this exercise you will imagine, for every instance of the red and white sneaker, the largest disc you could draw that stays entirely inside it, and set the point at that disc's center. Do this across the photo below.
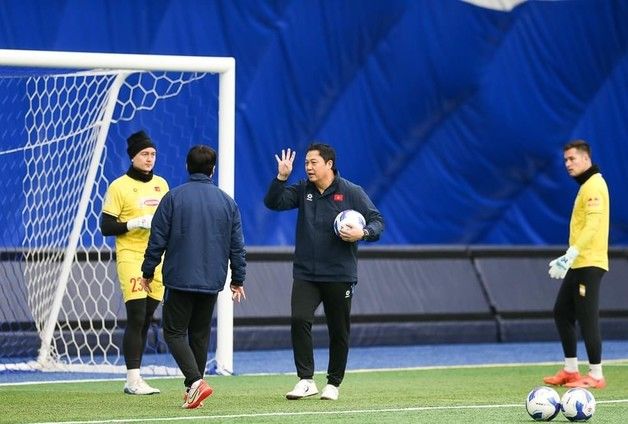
(185, 398)
(562, 377)
(588, 382)
(199, 391)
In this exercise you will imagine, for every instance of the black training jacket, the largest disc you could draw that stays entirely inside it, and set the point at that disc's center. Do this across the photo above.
(320, 255)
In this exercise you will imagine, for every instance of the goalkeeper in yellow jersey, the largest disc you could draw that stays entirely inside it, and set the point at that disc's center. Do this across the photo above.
(582, 268)
(128, 209)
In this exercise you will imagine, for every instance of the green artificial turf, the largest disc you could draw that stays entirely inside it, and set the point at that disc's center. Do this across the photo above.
(447, 395)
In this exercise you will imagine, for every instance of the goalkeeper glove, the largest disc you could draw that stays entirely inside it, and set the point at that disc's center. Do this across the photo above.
(139, 222)
(560, 266)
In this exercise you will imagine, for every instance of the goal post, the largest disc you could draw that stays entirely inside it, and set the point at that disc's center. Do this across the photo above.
(53, 125)
(70, 250)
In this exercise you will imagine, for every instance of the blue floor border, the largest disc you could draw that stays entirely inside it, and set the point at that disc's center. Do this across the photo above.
(377, 357)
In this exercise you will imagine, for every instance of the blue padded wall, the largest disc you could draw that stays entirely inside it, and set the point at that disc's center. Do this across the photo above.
(452, 116)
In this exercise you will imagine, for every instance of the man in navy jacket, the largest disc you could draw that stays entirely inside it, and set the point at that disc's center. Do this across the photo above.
(325, 265)
(199, 228)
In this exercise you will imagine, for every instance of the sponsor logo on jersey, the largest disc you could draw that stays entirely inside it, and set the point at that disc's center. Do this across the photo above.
(593, 202)
(151, 202)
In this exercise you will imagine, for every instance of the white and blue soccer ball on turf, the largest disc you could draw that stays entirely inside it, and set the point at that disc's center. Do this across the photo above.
(578, 404)
(348, 216)
(543, 403)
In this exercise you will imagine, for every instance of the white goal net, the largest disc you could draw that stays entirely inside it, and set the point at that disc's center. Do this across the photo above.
(64, 119)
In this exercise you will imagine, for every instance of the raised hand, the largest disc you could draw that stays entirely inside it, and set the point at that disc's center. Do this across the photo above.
(284, 164)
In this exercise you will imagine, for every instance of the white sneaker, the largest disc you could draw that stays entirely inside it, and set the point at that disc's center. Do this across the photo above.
(303, 388)
(329, 392)
(139, 387)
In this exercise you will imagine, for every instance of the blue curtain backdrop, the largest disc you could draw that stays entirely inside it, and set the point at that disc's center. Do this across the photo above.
(451, 116)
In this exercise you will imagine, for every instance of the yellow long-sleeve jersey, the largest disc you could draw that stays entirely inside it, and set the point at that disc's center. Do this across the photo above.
(128, 198)
(589, 225)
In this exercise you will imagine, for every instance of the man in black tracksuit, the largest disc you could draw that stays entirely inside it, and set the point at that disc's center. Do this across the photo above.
(325, 264)
(199, 228)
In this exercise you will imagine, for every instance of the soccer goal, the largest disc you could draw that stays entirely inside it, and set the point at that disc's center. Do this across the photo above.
(64, 119)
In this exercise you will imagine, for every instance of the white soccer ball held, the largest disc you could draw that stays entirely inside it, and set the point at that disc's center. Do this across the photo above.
(346, 218)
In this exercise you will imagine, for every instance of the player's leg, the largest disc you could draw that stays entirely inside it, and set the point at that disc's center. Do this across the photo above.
(565, 314)
(337, 303)
(305, 299)
(200, 328)
(177, 313)
(587, 311)
(134, 340)
(150, 307)
(198, 332)
(153, 300)
(565, 320)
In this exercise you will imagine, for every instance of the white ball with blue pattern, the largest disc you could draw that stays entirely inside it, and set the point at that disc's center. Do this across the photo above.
(543, 403)
(350, 217)
(578, 404)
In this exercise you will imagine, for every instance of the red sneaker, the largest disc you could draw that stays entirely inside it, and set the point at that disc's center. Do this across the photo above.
(185, 399)
(588, 382)
(562, 377)
(197, 394)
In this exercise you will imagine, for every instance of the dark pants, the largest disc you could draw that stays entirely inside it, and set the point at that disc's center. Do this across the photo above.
(139, 315)
(578, 300)
(187, 324)
(336, 299)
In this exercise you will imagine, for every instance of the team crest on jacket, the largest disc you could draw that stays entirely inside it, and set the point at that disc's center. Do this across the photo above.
(338, 197)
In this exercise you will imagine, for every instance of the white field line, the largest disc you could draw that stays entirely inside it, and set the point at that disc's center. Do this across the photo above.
(306, 413)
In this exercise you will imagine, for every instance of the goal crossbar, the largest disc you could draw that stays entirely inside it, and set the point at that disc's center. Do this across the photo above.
(81, 60)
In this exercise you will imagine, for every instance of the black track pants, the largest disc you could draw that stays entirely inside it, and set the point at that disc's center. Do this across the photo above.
(187, 325)
(336, 299)
(578, 301)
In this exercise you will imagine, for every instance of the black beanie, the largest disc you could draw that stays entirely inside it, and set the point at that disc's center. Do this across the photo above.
(137, 142)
